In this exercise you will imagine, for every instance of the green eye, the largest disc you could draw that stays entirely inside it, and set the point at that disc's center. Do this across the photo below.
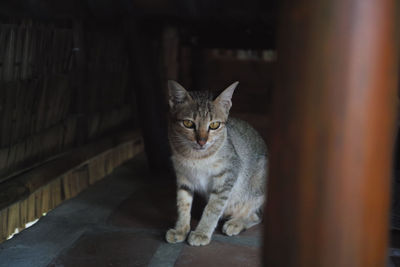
(214, 125)
(188, 124)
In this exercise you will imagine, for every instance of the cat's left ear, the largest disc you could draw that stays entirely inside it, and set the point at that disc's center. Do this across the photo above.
(225, 98)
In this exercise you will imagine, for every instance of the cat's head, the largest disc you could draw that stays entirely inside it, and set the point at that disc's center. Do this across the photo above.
(198, 118)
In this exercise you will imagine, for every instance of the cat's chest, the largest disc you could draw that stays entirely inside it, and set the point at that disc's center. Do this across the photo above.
(199, 171)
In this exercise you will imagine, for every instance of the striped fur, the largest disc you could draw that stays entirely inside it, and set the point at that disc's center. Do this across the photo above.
(230, 169)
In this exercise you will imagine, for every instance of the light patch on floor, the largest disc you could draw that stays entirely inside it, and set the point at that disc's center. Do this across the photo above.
(27, 225)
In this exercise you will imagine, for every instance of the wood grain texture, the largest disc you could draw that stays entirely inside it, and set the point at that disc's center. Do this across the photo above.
(332, 135)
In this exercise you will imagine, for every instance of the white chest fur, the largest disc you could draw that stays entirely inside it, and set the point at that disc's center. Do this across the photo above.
(199, 172)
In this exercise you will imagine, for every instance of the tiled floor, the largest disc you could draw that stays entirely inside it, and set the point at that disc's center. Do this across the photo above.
(121, 221)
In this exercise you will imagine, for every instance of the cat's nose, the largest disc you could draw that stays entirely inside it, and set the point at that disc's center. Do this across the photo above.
(202, 142)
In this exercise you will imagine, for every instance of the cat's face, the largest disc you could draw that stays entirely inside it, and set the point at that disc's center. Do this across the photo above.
(197, 118)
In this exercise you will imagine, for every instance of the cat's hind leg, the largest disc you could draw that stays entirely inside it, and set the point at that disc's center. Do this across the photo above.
(243, 217)
(236, 225)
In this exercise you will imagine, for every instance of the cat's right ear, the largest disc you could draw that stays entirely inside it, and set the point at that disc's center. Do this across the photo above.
(177, 94)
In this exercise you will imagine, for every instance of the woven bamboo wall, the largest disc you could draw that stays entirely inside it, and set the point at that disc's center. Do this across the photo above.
(108, 82)
(39, 116)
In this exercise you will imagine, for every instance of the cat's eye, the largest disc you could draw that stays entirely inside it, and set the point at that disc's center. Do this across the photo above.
(214, 125)
(188, 124)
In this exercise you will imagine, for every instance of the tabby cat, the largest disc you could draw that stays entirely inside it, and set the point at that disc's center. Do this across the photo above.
(223, 158)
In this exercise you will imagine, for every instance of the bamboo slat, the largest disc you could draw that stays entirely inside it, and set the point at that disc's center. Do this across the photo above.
(23, 208)
(96, 169)
(62, 187)
(57, 194)
(3, 158)
(13, 218)
(4, 224)
(8, 63)
(10, 93)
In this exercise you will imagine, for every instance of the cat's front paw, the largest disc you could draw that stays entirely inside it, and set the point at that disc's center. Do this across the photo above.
(175, 236)
(198, 239)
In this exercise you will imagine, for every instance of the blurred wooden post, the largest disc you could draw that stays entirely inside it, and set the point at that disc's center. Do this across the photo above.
(332, 134)
(145, 53)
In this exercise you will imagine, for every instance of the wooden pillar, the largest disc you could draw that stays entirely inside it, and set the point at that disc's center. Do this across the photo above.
(145, 49)
(332, 134)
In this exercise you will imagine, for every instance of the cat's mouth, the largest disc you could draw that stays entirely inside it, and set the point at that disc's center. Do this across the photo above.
(200, 147)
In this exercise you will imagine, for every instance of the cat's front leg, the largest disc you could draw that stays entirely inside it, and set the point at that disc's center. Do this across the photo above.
(184, 204)
(213, 210)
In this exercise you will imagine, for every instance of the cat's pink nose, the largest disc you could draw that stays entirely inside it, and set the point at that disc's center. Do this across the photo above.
(201, 142)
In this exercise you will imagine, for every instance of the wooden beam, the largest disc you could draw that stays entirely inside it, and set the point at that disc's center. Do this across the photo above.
(332, 134)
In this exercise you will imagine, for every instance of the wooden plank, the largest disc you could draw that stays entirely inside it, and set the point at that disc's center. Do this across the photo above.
(2, 49)
(41, 111)
(18, 53)
(29, 110)
(32, 52)
(13, 222)
(31, 207)
(96, 169)
(66, 187)
(3, 158)
(94, 125)
(23, 204)
(14, 115)
(74, 183)
(8, 63)
(25, 53)
(18, 130)
(56, 191)
(20, 153)
(10, 89)
(80, 75)
(42, 51)
(70, 132)
(3, 111)
(37, 87)
(38, 203)
(45, 199)
(63, 97)
(12, 152)
(29, 151)
(3, 224)
(108, 166)
(83, 178)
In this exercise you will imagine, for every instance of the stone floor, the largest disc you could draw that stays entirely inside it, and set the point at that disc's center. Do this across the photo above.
(121, 221)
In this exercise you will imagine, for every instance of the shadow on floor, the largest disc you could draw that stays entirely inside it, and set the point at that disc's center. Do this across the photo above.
(132, 234)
